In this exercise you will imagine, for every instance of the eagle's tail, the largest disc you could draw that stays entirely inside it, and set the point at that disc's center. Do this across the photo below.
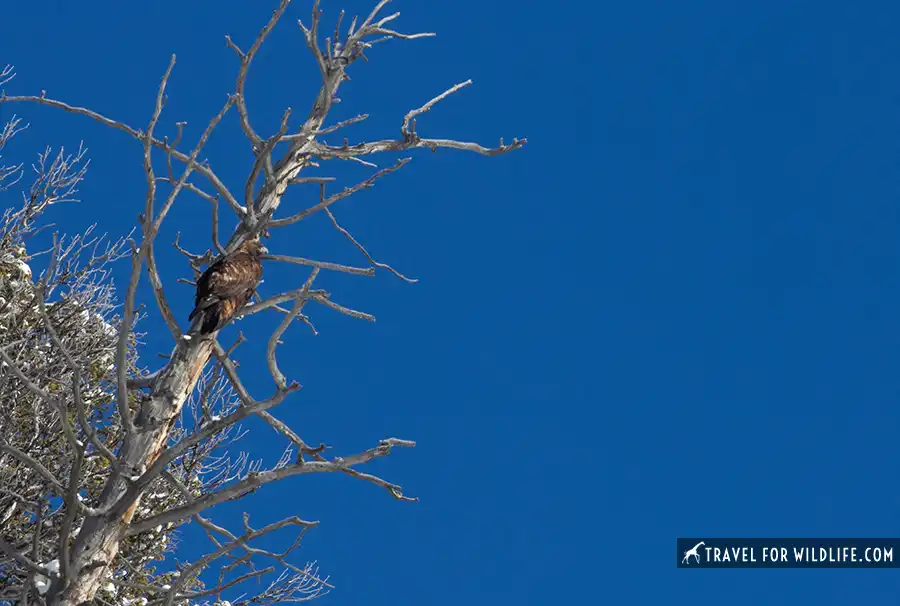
(207, 319)
(209, 323)
(203, 322)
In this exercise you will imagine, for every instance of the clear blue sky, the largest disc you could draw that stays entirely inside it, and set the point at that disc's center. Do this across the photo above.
(673, 313)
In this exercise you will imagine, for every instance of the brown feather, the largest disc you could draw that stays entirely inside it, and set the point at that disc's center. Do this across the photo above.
(227, 285)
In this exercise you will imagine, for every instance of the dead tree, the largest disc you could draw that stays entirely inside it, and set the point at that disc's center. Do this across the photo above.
(148, 445)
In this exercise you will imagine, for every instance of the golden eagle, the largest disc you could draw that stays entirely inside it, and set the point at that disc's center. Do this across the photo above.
(227, 285)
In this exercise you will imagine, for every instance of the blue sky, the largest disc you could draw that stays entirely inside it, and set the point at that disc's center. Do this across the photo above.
(674, 313)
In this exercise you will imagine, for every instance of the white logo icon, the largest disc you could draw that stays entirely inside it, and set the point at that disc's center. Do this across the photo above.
(692, 552)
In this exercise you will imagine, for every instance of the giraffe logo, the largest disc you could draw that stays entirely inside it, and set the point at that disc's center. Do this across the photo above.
(692, 552)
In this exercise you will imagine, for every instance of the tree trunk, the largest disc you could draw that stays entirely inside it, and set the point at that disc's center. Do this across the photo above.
(98, 542)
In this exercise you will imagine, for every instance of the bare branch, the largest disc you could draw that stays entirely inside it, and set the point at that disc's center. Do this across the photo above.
(249, 408)
(411, 140)
(160, 295)
(359, 271)
(274, 339)
(195, 260)
(277, 376)
(324, 300)
(254, 481)
(193, 595)
(190, 187)
(365, 252)
(312, 41)
(389, 34)
(264, 160)
(136, 262)
(7, 74)
(381, 4)
(408, 126)
(179, 127)
(246, 59)
(10, 174)
(287, 432)
(348, 191)
(199, 167)
(193, 569)
(335, 48)
(269, 303)
(387, 19)
(151, 226)
(340, 125)
(360, 161)
(215, 226)
(191, 163)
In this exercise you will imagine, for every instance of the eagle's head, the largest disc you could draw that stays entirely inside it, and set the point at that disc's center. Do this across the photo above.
(255, 248)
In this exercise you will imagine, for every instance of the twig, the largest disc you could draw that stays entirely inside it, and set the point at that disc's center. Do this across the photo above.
(193, 258)
(246, 59)
(190, 187)
(264, 160)
(7, 74)
(359, 271)
(269, 303)
(156, 284)
(191, 163)
(324, 300)
(312, 41)
(195, 568)
(365, 252)
(339, 125)
(408, 127)
(326, 202)
(277, 375)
